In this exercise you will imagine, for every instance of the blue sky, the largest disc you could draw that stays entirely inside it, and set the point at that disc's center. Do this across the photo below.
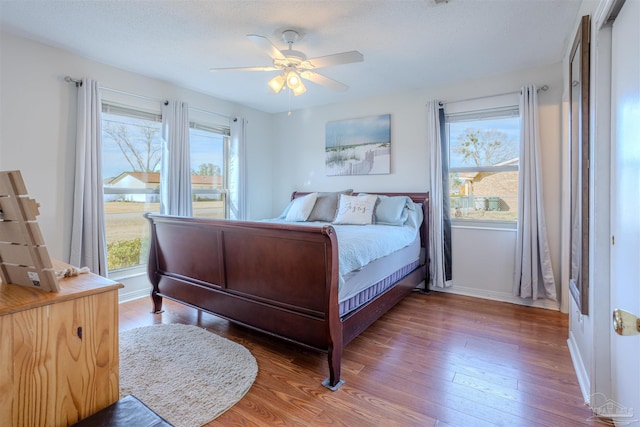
(205, 147)
(510, 126)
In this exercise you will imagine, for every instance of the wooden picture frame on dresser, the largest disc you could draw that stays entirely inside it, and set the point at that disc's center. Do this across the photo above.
(24, 259)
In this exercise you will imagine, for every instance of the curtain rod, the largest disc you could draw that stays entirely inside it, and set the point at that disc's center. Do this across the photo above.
(210, 112)
(146, 98)
(78, 82)
(69, 79)
(543, 88)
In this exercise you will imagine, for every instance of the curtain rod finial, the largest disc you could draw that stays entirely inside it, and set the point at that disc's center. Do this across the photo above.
(69, 79)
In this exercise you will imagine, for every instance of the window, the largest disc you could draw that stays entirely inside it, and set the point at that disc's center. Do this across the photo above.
(131, 154)
(484, 150)
(131, 157)
(208, 170)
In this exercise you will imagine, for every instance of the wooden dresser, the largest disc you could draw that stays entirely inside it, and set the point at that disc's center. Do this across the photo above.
(59, 351)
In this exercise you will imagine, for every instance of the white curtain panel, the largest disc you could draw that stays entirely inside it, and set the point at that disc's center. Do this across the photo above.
(237, 169)
(436, 220)
(175, 169)
(533, 270)
(88, 241)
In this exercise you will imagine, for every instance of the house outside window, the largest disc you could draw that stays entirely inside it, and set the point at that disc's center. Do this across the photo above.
(483, 166)
(131, 155)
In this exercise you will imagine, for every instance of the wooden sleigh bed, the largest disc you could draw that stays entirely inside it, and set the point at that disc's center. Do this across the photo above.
(280, 279)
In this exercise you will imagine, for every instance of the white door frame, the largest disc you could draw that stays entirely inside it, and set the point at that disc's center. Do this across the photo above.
(600, 229)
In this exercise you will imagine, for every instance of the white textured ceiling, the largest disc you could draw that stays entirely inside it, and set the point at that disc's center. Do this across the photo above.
(406, 44)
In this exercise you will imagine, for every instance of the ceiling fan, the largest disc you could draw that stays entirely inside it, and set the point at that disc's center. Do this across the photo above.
(295, 66)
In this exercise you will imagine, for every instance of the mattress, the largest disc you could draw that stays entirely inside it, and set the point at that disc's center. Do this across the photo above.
(361, 286)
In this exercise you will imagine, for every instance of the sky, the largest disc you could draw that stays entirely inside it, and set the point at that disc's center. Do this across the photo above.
(206, 147)
(510, 126)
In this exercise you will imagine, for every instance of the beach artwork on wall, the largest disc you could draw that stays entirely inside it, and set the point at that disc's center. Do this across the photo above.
(359, 146)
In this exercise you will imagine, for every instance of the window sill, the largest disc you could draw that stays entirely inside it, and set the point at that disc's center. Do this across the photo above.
(126, 273)
(485, 225)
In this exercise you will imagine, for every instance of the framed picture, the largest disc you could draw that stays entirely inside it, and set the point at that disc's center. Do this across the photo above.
(359, 146)
(579, 150)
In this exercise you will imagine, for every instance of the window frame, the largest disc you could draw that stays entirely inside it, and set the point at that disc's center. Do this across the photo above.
(133, 111)
(504, 106)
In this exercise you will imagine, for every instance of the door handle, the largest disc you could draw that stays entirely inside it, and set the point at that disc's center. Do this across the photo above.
(625, 323)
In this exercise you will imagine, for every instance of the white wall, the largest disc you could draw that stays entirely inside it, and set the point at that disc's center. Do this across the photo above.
(299, 165)
(37, 127)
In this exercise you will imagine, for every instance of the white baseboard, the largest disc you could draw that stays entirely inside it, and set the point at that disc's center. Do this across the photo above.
(135, 286)
(133, 295)
(581, 371)
(499, 296)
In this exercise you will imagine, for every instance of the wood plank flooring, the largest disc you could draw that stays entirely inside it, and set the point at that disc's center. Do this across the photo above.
(434, 360)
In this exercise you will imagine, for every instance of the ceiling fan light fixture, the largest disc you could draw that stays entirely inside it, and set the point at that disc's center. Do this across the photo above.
(299, 90)
(293, 80)
(277, 83)
(294, 66)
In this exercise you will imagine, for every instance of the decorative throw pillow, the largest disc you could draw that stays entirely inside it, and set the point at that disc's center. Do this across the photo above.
(326, 206)
(391, 210)
(356, 210)
(301, 207)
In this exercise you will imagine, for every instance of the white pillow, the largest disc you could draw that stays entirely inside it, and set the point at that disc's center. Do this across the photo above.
(356, 210)
(301, 207)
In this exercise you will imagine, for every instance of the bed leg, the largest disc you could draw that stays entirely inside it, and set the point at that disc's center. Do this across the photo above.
(327, 384)
(157, 303)
(335, 358)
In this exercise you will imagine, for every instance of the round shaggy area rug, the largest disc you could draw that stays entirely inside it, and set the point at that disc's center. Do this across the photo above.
(184, 373)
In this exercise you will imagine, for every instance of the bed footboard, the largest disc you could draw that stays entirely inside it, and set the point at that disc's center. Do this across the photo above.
(279, 279)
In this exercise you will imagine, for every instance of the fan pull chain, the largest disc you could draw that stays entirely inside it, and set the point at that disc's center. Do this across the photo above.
(289, 99)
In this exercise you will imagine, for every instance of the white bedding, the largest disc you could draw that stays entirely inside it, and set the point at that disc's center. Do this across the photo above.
(358, 245)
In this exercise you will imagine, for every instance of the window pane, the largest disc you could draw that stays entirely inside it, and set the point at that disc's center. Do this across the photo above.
(131, 150)
(484, 143)
(483, 167)
(208, 175)
(484, 195)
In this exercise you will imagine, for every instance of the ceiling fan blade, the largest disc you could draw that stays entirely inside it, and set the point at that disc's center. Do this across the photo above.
(265, 68)
(266, 45)
(323, 81)
(336, 59)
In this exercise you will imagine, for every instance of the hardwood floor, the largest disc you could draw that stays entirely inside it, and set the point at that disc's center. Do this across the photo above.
(433, 360)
